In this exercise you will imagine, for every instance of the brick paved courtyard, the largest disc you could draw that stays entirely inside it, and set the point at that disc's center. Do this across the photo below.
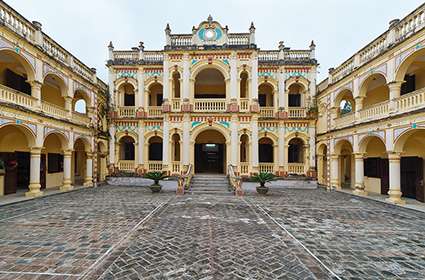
(128, 233)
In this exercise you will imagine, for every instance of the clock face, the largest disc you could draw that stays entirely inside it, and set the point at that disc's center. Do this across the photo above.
(209, 34)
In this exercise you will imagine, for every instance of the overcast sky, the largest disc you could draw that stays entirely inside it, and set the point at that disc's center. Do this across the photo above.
(338, 27)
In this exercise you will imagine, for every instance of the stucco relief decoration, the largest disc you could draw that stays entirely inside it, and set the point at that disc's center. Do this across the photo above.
(401, 57)
(296, 128)
(296, 72)
(47, 69)
(127, 73)
(382, 69)
(210, 32)
(120, 128)
(16, 48)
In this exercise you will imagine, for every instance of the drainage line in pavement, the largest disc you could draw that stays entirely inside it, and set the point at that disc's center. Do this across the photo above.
(299, 242)
(122, 240)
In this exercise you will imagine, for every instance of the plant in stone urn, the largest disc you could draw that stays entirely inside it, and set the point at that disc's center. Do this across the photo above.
(263, 178)
(155, 176)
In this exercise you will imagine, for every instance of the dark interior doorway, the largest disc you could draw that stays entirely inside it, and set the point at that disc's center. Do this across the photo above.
(412, 176)
(209, 158)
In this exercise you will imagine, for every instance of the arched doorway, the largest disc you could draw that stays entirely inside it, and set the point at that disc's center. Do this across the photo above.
(127, 150)
(322, 164)
(375, 165)
(210, 151)
(344, 150)
(101, 161)
(79, 161)
(210, 83)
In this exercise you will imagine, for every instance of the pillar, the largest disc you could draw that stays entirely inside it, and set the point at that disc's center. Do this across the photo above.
(112, 145)
(186, 139)
(254, 145)
(234, 144)
(312, 151)
(34, 186)
(233, 78)
(88, 181)
(36, 92)
(394, 88)
(68, 105)
(166, 84)
(112, 77)
(282, 99)
(359, 107)
(334, 171)
(66, 186)
(395, 183)
(359, 174)
(165, 143)
(281, 149)
(254, 84)
(186, 78)
(140, 148)
(140, 95)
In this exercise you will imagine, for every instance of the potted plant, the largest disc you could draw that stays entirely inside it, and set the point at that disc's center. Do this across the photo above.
(155, 176)
(263, 178)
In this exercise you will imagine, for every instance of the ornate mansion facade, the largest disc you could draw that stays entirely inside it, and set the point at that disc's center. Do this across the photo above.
(210, 99)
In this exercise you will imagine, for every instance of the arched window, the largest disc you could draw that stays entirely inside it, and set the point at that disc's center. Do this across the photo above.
(127, 148)
(294, 96)
(176, 147)
(265, 150)
(155, 148)
(265, 95)
(80, 106)
(296, 151)
(129, 96)
(374, 90)
(176, 84)
(210, 83)
(244, 85)
(155, 94)
(13, 73)
(244, 148)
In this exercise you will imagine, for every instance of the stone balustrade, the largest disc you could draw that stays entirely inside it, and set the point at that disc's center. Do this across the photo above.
(80, 118)
(210, 105)
(411, 101)
(244, 168)
(155, 111)
(153, 56)
(244, 102)
(155, 165)
(297, 54)
(54, 110)
(296, 113)
(54, 50)
(267, 167)
(16, 97)
(127, 112)
(181, 40)
(16, 22)
(375, 111)
(175, 167)
(175, 105)
(345, 120)
(127, 165)
(296, 168)
(238, 39)
(267, 112)
(265, 56)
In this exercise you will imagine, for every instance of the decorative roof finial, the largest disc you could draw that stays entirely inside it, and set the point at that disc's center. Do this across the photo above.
(312, 45)
(281, 45)
(167, 29)
(210, 19)
(110, 46)
(141, 46)
(252, 27)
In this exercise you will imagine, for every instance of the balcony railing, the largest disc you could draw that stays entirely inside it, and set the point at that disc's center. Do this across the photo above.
(210, 105)
(296, 168)
(244, 104)
(16, 97)
(345, 120)
(155, 111)
(127, 112)
(266, 167)
(127, 165)
(267, 112)
(244, 166)
(297, 113)
(54, 110)
(374, 111)
(411, 101)
(175, 104)
(155, 165)
(175, 167)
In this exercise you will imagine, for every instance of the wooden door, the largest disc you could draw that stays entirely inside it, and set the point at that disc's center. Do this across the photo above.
(11, 177)
(411, 177)
(384, 175)
(43, 171)
(23, 159)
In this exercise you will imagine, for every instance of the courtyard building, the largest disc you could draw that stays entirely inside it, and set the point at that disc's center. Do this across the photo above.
(211, 99)
(52, 110)
(371, 122)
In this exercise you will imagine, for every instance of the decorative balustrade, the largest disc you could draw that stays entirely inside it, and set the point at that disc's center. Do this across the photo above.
(244, 166)
(127, 112)
(266, 167)
(345, 120)
(296, 168)
(54, 50)
(210, 105)
(175, 167)
(153, 56)
(374, 111)
(411, 101)
(54, 110)
(267, 112)
(155, 165)
(244, 102)
(127, 165)
(155, 111)
(181, 40)
(297, 113)
(126, 55)
(16, 22)
(238, 39)
(16, 97)
(297, 54)
(264, 56)
(412, 23)
(344, 69)
(80, 118)
(373, 49)
(83, 70)
(175, 105)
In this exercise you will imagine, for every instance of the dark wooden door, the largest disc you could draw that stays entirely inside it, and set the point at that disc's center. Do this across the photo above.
(43, 171)
(384, 175)
(412, 177)
(23, 159)
(11, 177)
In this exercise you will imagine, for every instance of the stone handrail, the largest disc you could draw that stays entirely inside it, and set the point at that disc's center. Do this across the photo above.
(80, 118)
(210, 105)
(244, 166)
(234, 181)
(16, 22)
(244, 104)
(297, 54)
(267, 112)
(237, 39)
(155, 165)
(127, 165)
(345, 120)
(153, 56)
(81, 69)
(10, 95)
(411, 101)
(297, 113)
(267, 167)
(185, 179)
(127, 112)
(126, 55)
(181, 40)
(175, 104)
(155, 111)
(296, 168)
(374, 111)
(53, 49)
(54, 110)
(264, 56)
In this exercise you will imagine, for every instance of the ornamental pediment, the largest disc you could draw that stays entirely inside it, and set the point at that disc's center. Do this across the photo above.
(209, 32)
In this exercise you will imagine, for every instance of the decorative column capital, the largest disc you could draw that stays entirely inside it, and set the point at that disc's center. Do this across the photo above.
(67, 153)
(394, 156)
(35, 151)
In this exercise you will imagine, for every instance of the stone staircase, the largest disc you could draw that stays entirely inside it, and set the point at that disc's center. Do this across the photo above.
(210, 184)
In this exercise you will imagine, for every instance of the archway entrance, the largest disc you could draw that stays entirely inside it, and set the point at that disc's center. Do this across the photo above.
(210, 151)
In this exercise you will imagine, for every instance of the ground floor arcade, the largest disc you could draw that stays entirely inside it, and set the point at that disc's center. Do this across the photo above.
(389, 162)
(37, 157)
(212, 147)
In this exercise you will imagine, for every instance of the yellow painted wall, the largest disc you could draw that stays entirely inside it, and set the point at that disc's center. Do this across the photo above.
(52, 144)
(377, 95)
(372, 185)
(210, 89)
(52, 95)
(12, 139)
(210, 136)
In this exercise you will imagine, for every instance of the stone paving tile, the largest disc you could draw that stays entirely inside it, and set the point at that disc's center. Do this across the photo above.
(357, 238)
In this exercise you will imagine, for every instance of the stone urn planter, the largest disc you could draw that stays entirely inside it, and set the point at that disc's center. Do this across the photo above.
(262, 190)
(262, 178)
(155, 176)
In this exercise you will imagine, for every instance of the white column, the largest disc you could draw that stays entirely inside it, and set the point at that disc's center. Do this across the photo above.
(233, 78)
(234, 144)
(67, 155)
(395, 89)
(140, 97)
(141, 145)
(395, 183)
(334, 171)
(165, 143)
(254, 144)
(281, 147)
(254, 77)
(186, 77)
(312, 89)
(312, 145)
(359, 174)
(112, 145)
(186, 139)
(88, 181)
(166, 79)
(282, 103)
(112, 78)
(34, 186)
